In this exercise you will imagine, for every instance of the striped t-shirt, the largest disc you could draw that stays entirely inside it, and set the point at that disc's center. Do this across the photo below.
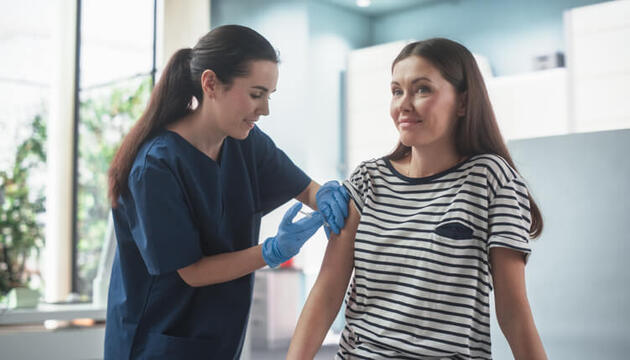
(422, 282)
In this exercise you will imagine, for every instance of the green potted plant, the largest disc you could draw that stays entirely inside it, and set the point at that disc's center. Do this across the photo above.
(21, 231)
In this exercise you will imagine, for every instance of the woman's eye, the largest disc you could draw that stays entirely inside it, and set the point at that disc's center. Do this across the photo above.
(256, 96)
(424, 90)
(396, 92)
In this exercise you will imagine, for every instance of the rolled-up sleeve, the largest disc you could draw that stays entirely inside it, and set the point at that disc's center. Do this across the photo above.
(509, 218)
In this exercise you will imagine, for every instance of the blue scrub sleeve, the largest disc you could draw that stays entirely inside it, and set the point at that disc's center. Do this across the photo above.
(279, 178)
(163, 230)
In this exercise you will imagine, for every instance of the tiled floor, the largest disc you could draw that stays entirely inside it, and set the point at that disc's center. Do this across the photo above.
(325, 353)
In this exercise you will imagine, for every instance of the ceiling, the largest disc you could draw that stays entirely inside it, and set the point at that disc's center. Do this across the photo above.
(379, 7)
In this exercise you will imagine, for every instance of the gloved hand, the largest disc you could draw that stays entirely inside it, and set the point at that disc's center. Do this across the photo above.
(332, 202)
(290, 237)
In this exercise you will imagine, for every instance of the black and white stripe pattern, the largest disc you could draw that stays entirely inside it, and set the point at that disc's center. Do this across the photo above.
(422, 282)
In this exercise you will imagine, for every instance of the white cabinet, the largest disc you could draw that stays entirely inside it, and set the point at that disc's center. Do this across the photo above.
(23, 335)
(370, 129)
(526, 105)
(598, 63)
(531, 104)
(275, 307)
(591, 94)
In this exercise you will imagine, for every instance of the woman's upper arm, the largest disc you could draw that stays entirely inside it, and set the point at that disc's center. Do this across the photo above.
(508, 274)
(513, 312)
(339, 257)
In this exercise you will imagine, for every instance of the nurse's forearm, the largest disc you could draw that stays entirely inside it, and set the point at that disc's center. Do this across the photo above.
(307, 196)
(223, 267)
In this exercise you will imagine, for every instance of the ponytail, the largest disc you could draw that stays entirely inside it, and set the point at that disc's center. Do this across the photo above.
(170, 100)
(227, 50)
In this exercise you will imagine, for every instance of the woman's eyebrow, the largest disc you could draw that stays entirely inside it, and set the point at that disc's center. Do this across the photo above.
(260, 87)
(420, 79)
(414, 80)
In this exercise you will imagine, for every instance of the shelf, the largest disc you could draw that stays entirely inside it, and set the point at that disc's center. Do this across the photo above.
(45, 312)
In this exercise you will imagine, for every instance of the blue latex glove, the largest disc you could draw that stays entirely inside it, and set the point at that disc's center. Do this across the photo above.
(291, 236)
(332, 202)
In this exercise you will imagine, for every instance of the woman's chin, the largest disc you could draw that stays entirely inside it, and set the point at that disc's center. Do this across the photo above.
(407, 140)
(417, 140)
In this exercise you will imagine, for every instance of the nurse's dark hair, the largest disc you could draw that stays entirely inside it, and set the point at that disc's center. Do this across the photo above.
(227, 50)
(477, 132)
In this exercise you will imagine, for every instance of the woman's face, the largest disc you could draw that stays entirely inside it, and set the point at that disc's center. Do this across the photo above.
(424, 105)
(240, 105)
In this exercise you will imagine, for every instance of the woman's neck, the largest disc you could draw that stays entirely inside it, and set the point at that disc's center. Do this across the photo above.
(200, 132)
(423, 162)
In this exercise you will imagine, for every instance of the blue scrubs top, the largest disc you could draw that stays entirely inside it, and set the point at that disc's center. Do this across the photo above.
(182, 205)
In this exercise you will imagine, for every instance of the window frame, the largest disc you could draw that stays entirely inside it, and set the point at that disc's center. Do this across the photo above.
(76, 133)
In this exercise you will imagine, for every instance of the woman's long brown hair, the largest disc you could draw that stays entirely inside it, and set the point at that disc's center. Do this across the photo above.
(227, 50)
(477, 132)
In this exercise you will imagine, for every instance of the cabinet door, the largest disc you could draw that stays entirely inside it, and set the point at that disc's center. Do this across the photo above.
(598, 60)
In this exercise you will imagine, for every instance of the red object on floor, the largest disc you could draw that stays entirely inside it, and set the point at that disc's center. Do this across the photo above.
(287, 264)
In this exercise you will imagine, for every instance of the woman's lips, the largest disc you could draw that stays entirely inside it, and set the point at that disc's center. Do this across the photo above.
(408, 122)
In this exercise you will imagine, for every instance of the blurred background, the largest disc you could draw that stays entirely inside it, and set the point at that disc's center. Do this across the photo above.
(76, 74)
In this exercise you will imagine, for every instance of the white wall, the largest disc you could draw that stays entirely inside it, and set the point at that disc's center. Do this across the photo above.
(285, 24)
(577, 276)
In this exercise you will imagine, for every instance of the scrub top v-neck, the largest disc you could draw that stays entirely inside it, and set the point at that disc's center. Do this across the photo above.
(182, 205)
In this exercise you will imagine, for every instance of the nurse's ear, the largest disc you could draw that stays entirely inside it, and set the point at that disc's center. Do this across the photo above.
(210, 83)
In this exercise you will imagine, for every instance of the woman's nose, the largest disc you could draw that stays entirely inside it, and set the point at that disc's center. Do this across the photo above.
(404, 103)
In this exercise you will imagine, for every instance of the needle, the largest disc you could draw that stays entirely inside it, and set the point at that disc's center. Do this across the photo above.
(310, 215)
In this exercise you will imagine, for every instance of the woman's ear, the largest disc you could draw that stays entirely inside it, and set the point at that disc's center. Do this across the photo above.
(209, 83)
(462, 100)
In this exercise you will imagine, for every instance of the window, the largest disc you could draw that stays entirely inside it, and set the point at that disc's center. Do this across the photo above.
(116, 67)
(25, 75)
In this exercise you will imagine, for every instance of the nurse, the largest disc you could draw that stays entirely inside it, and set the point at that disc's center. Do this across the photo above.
(189, 185)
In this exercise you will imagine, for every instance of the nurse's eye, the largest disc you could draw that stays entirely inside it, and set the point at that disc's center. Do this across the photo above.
(256, 95)
(396, 92)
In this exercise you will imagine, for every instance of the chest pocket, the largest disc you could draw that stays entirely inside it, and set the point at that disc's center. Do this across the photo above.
(454, 230)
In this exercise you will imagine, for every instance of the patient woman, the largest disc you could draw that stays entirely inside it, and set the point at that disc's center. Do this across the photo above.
(434, 227)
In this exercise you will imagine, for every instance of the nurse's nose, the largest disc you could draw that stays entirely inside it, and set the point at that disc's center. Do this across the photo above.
(263, 109)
